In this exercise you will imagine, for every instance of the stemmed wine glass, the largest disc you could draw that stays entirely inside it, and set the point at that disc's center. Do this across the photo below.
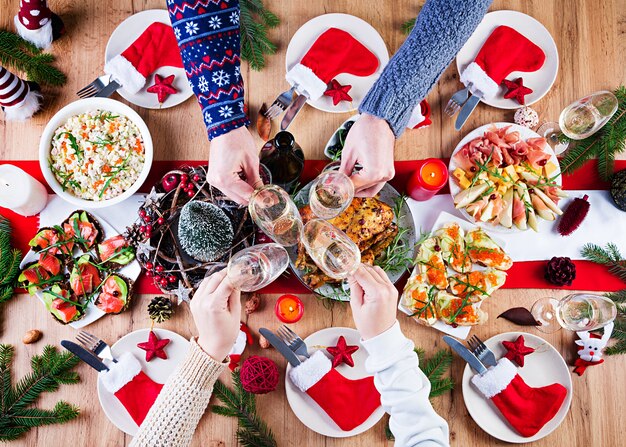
(275, 213)
(586, 116)
(576, 312)
(255, 267)
(330, 248)
(330, 194)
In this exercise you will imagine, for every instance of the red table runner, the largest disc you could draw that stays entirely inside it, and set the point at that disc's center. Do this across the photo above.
(523, 275)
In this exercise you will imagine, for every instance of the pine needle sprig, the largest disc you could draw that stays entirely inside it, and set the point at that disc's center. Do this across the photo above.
(49, 370)
(255, 43)
(238, 403)
(9, 262)
(408, 26)
(609, 256)
(19, 54)
(603, 145)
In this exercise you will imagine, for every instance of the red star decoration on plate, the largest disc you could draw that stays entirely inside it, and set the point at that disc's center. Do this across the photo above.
(342, 352)
(154, 347)
(516, 89)
(338, 92)
(162, 87)
(516, 350)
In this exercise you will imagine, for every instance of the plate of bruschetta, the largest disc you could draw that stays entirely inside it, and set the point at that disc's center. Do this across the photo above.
(506, 178)
(457, 267)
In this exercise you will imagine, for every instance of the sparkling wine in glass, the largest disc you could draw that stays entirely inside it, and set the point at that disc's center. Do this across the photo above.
(576, 312)
(330, 194)
(331, 250)
(586, 116)
(275, 213)
(255, 267)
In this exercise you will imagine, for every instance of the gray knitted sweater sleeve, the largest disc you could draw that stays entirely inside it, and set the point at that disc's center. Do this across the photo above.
(441, 29)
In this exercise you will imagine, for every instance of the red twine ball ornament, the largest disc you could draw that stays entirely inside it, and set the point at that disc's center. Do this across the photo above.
(259, 375)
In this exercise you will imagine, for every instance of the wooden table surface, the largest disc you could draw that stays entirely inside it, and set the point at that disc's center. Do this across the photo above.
(592, 52)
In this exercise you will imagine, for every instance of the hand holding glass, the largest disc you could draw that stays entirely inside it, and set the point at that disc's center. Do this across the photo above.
(330, 194)
(275, 213)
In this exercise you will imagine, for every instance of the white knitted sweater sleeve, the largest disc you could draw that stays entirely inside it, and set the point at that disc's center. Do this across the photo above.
(172, 420)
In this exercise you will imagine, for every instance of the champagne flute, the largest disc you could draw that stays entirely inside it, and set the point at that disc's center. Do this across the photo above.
(331, 249)
(255, 267)
(330, 194)
(275, 213)
(586, 116)
(575, 312)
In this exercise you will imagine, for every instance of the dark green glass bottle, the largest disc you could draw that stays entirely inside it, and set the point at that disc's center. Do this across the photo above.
(284, 159)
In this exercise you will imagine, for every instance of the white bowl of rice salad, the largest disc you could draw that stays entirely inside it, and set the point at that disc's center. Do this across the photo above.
(95, 152)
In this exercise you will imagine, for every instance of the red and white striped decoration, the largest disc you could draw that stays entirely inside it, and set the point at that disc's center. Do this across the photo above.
(16, 97)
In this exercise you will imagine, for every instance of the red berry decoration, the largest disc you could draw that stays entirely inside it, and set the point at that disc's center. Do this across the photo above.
(560, 271)
(196, 178)
(142, 213)
(149, 265)
(162, 87)
(159, 268)
(342, 352)
(172, 279)
(191, 193)
(259, 375)
(170, 182)
(338, 92)
(516, 89)
(154, 347)
(516, 350)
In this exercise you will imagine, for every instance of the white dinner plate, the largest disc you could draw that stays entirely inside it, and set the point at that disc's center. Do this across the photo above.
(360, 30)
(130, 271)
(157, 369)
(460, 332)
(306, 409)
(541, 368)
(539, 81)
(123, 36)
(525, 133)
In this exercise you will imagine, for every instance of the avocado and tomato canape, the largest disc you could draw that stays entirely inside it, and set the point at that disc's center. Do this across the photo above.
(84, 229)
(84, 276)
(53, 241)
(114, 294)
(116, 252)
(63, 306)
(41, 274)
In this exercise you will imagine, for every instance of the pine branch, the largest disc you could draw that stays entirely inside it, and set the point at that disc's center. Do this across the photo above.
(437, 365)
(9, 261)
(609, 256)
(19, 54)
(255, 43)
(618, 297)
(407, 27)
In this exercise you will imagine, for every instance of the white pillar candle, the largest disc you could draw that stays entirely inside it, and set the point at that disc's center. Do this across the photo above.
(20, 192)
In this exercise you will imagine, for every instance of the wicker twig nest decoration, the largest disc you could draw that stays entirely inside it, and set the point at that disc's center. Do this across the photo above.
(161, 253)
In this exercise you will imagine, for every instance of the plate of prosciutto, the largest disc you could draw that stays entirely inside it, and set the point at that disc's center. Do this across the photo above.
(80, 269)
(505, 177)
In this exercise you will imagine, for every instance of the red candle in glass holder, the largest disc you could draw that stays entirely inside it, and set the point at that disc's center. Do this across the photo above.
(289, 308)
(430, 176)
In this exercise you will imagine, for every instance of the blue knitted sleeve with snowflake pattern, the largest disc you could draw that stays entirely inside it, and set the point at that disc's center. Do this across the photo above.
(207, 32)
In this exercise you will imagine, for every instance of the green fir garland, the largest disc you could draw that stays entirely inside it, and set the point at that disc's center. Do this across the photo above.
(9, 262)
(254, 22)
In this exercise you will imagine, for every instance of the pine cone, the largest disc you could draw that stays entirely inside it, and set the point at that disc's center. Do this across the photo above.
(560, 271)
(160, 309)
(133, 235)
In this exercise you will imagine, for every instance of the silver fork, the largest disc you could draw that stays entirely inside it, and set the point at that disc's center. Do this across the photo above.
(280, 104)
(480, 350)
(103, 86)
(293, 340)
(95, 345)
(456, 102)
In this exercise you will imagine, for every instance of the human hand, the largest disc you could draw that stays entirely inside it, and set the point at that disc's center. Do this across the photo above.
(216, 310)
(370, 143)
(232, 153)
(374, 301)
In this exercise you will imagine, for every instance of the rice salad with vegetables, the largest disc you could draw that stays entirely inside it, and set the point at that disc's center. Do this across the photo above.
(97, 155)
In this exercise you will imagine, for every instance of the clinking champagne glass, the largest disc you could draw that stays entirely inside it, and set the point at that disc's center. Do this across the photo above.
(275, 213)
(576, 312)
(255, 267)
(586, 116)
(330, 194)
(331, 249)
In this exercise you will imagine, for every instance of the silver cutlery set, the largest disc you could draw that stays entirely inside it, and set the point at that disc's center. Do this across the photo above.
(288, 343)
(288, 103)
(93, 351)
(462, 102)
(478, 356)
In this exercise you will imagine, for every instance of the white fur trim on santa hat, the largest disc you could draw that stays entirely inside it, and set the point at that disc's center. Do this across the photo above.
(478, 81)
(306, 82)
(123, 72)
(120, 373)
(311, 371)
(41, 37)
(496, 379)
(416, 116)
(240, 343)
(24, 110)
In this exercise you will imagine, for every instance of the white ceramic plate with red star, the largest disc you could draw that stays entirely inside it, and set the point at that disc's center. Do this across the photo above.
(157, 369)
(306, 409)
(124, 35)
(541, 368)
(539, 81)
(360, 30)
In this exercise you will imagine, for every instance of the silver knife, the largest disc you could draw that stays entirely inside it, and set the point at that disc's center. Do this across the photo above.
(84, 355)
(467, 110)
(108, 90)
(466, 354)
(280, 346)
(293, 110)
